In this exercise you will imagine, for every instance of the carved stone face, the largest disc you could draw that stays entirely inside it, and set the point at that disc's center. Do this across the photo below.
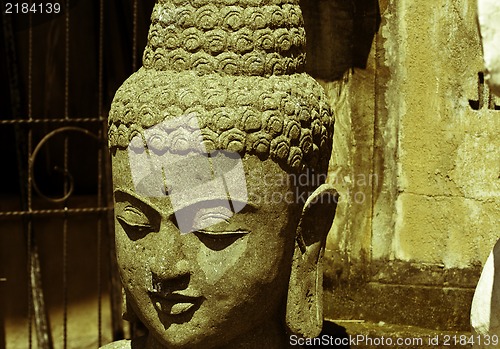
(221, 282)
(220, 250)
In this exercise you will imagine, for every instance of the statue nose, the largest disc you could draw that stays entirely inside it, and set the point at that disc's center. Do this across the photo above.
(167, 279)
(170, 268)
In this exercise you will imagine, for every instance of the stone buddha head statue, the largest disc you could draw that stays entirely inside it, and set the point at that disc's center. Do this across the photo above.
(220, 147)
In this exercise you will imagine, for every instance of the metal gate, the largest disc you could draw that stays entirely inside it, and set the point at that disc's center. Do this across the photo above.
(59, 69)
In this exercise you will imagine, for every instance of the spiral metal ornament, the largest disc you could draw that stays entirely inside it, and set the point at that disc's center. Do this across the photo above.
(65, 172)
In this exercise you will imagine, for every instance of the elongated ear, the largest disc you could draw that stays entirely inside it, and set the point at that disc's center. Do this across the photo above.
(304, 309)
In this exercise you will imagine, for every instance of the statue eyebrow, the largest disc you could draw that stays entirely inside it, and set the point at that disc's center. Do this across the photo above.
(126, 195)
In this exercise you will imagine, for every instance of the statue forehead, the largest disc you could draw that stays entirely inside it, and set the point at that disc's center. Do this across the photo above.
(260, 176)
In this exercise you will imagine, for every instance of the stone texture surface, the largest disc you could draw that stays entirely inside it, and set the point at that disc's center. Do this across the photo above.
(285, 118)
(404, 293)
(419, 119)
(445, 149)
(485, 312)
(411, 337)
(221, 89)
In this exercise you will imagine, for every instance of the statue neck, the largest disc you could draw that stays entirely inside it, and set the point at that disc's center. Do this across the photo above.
(268, 335)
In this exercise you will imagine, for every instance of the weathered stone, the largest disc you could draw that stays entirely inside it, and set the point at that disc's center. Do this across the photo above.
(485, 312)
(419, 121)
(220, 148)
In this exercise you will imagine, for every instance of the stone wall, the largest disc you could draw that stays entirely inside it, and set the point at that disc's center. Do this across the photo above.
(417, 163)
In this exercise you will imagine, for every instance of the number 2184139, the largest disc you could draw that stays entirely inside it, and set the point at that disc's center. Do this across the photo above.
(26, 8)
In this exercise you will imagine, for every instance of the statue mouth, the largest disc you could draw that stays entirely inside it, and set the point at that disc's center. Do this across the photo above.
(175, 304)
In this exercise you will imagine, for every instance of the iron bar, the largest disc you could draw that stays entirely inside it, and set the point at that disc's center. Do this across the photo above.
(23, 173)
(54, 212)
(66, 191)
(3, 299)
(99, 248)
(134, 36)
(44, 337)
(42, 327)
(49, 121)
(65, 282)
(99, 173)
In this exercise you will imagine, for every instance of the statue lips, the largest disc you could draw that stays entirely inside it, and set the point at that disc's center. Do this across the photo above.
(175, 304)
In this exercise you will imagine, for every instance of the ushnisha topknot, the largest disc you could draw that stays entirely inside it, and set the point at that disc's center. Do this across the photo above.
(248, 38)
(237, 66)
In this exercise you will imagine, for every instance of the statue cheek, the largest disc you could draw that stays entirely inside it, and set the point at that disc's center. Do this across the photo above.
(132, 278)
(215, 264)
(132, 264)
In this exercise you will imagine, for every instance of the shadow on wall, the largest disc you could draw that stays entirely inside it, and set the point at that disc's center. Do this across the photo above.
(339, 35)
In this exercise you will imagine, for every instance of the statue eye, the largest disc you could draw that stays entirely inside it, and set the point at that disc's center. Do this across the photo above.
(217, 217)
(215, 223)
(135, 222)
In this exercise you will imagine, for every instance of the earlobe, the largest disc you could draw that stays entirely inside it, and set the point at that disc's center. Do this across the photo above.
(304, 310)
